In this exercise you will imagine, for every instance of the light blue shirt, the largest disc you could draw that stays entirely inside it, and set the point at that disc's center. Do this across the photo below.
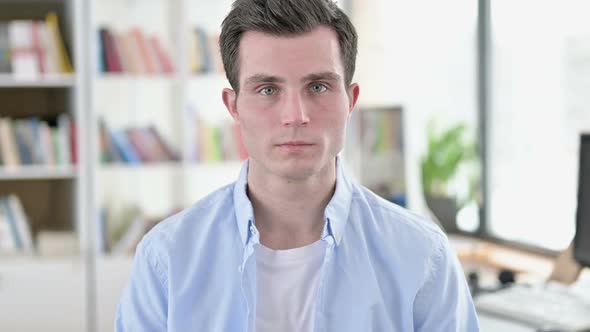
(385, 269)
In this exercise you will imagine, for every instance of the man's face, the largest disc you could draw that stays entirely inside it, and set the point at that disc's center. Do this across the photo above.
(293, 104)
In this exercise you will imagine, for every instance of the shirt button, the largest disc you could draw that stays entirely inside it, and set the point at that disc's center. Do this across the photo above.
(240, 268)
(252, 229)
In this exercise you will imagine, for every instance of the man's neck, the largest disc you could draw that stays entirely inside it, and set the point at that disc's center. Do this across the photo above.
(290, 213)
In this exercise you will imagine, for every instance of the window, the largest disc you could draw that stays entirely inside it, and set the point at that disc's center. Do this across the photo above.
(540, 102)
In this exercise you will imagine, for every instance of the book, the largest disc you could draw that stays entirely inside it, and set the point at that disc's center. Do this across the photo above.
(5, 65)
(204, 48)
(10, 219)
(131, 238)
(55, 142)
(73, 142)
(144, 51)
(132, 52)
(194, 56)
(126, 225)
(21, 222)
(124, 53)
(63, 139)
(145, 149)
(212, 142)
(162, 55)
(109, 53)
(216, 61)
(38, 154)
(161, 144)
(31, 141)
(10, 157)
(23, 58)
(124, 147)
(46, 144)
(135, 59)
(125, 228)
(38, 47)
(31, 49)
(55, 36)
(7, 241)
(108, 151)
(23, 142)
(50, 55)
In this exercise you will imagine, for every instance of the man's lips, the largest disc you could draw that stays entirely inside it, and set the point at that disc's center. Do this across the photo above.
(294, 146)
(295, 143)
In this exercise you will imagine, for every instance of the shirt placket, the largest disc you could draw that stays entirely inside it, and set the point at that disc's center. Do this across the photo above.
(320, 310)
(248, 276)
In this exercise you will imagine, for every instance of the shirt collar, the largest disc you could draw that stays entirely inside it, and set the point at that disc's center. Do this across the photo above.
(335, 214)
(243, 206)
(337, 210)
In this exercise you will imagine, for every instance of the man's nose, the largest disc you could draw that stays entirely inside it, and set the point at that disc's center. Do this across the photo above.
(294, 111)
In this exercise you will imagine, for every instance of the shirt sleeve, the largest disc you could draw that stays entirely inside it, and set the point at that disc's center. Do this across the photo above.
(444, 302)
(143, 305)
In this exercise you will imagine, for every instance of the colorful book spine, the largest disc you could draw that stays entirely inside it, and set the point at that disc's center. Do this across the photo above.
(15, 232)
(125, 147)
(109, 54)
(5, 66)
(64, 60)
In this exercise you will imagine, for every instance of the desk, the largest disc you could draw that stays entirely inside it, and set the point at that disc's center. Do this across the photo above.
(487, 259)
(489, 323)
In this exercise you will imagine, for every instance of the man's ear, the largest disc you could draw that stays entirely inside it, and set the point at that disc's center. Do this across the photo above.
(229, 99)
(353, 96)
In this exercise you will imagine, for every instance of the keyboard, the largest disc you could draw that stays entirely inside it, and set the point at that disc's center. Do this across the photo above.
(543, 306)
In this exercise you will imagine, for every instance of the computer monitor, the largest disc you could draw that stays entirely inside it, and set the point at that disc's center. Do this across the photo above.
(582, 238)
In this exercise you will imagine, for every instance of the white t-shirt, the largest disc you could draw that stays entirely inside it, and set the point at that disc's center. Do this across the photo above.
(287, 283)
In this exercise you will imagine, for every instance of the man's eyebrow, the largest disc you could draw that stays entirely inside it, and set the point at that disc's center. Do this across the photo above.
(323, 76)
(263, 78)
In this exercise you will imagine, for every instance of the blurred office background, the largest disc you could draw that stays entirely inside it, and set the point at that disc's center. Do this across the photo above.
(111, 119)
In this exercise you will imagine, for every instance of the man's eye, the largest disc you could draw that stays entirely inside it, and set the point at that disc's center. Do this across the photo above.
(267, 91)
(318, 88)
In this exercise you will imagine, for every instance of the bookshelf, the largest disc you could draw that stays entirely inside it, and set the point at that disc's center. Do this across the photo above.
(171, 102)
(24, 173)
(65, 203)
(42, 168)
(176, 103)
(53, 81)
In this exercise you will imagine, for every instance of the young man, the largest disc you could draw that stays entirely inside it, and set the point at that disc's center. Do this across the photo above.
(294, 244)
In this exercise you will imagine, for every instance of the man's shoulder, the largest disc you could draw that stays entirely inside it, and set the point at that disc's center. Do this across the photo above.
(196, 219)
(410, 242)
(397, 220)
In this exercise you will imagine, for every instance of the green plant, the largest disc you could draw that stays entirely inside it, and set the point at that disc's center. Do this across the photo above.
(445, 153)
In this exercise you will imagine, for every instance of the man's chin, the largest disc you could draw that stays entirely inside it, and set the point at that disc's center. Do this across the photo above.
(298, 170)
(293, 169)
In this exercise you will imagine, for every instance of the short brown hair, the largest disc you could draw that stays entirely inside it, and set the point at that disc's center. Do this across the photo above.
(284, 18)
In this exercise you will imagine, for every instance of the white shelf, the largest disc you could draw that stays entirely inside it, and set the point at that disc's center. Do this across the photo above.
(53, 81)
(215, 166)
(207, 75)
(16, 257)
(38, 172)
(116, 167)
(174, 165)
(129, 77)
